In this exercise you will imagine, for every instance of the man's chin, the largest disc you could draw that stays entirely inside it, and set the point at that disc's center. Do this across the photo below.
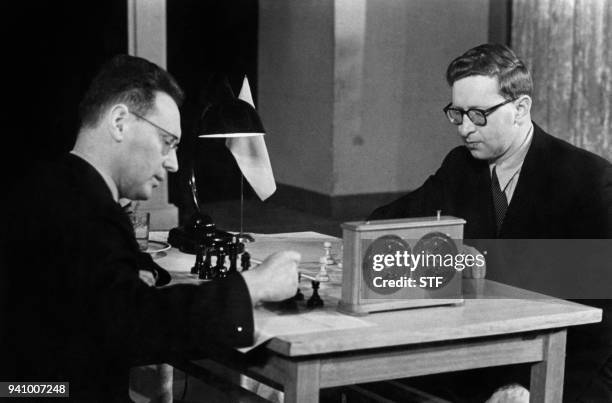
(478, 153)
(145, 196)
(142, 194)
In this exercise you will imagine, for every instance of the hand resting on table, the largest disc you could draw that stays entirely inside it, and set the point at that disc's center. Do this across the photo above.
(275, 279)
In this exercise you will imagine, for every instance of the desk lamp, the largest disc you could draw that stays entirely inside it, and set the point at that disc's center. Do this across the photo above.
(236, 120)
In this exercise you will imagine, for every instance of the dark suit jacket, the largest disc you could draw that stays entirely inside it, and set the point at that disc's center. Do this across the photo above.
(73, 306)
(563, 192)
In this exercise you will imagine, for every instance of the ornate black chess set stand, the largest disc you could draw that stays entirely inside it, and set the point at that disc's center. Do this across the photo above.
(211, 246)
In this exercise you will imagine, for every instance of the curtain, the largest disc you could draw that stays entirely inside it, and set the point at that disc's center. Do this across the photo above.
(567, 44)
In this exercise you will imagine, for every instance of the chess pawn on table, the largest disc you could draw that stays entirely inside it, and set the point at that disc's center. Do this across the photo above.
(328, 256)
(233, 255)
(204, 270)
(298, 295)
(222, 271)
(199, 262)
(315, 300)
(245, 261)
(291, 303)
(322, 274)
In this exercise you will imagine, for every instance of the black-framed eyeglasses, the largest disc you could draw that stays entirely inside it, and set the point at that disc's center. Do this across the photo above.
(169, 141)
(476, 115)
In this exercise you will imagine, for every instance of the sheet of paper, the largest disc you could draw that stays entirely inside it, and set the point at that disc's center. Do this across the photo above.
(308, 244)
(269, 324)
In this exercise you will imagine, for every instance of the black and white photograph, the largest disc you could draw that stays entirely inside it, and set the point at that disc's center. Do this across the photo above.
(302, 201)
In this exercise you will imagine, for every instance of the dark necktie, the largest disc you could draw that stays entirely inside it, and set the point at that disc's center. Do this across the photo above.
(499, 200)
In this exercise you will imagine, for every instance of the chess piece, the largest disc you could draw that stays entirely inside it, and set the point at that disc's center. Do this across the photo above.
(208, 269)
(205, 271)
(322, 274)
(233, 255)
(298, 295)
(315, 300)
(245, 261)
(328, 257)
(220, 268)
(199, 262)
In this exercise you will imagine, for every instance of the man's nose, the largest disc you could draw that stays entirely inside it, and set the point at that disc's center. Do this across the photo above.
(466, 127)
(171, 162)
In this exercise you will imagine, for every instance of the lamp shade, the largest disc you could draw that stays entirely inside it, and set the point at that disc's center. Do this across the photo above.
(230, 118)
(236, 120)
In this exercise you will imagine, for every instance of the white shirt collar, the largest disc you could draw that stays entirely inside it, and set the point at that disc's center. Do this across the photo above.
(511, 165)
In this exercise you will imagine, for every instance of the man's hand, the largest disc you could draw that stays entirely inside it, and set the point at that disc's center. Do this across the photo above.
(275, 279)
(147, 277)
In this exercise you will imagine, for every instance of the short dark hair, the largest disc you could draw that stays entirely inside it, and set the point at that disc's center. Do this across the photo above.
(493, 60)
(130, 80)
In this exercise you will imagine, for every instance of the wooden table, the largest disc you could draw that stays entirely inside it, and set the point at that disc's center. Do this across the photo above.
(496, 325)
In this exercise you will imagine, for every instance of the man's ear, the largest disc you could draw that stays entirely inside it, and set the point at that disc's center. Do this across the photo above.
(117, 121)
(523, 109)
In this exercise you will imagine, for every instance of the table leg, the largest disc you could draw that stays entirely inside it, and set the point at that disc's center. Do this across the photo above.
(151, 383)
(547, 375)
(304, 382)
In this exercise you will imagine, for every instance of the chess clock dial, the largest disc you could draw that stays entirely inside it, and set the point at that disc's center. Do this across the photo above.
(387, 245)
(439, 246)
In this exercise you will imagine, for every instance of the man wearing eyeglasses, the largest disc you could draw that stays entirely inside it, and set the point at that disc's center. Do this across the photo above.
(73, 305)
(510, 179)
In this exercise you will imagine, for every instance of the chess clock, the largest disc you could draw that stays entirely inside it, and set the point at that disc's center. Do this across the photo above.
(402, 263)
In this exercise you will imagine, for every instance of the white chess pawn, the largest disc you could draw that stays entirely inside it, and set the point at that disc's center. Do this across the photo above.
(322, 274)
(328, 257)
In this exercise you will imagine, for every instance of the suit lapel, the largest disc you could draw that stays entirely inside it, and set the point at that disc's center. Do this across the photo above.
(477, 205)
(484, 189)
(91, 184)
(530, 185)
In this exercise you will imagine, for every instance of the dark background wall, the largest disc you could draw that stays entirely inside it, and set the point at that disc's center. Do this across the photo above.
(206, 41)
(51, 51)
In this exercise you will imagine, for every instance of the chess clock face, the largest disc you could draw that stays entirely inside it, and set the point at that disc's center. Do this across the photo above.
(387, 245)
(439, 246)
(384, 267)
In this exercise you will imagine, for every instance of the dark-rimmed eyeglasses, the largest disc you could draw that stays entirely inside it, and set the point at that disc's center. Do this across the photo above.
(476, 115)
(169, 141)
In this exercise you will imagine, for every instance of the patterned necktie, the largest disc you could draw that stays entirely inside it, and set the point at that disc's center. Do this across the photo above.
(500, 202)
